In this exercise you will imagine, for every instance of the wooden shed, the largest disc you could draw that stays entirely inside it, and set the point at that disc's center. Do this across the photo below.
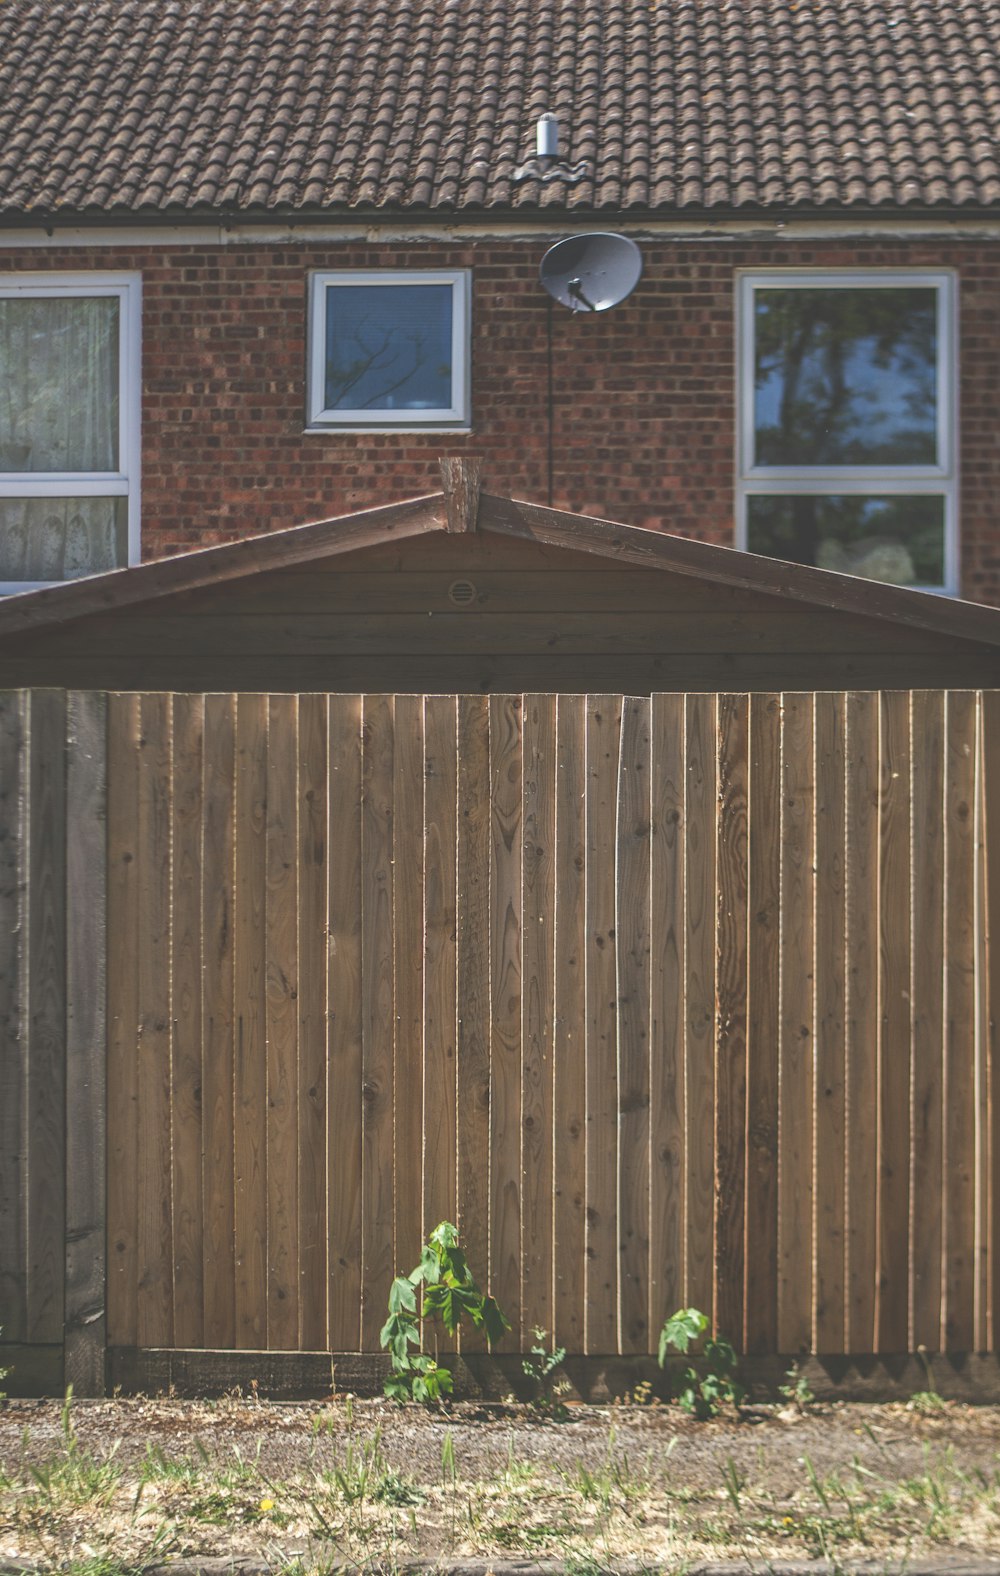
(630, 901)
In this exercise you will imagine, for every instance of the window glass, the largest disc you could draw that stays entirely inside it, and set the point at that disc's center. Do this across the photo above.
(845, 376)
(59, 384)
(61, 538)
(898, 539)
(389, 347)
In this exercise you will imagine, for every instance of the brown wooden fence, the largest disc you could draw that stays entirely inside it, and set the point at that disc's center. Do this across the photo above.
(675, 1001)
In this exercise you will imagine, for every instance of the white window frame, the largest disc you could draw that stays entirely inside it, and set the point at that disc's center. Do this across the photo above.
(939, 480)
(457, 416)
(125, 482)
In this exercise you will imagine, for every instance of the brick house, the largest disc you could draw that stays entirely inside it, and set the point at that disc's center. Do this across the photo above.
(296, 248)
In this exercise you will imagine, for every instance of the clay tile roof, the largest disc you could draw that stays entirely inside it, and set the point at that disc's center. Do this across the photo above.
(180, 107)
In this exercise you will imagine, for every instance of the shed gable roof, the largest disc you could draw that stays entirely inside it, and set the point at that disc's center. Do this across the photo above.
(112, 107)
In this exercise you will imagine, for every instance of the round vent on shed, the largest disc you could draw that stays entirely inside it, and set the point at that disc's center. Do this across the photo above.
(462, 593)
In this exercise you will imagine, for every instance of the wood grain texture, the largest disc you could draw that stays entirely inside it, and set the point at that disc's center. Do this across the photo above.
(344, 1090)
(927, 988)
(601, 1279)
(831, 961)
(124, 723)
(186, 951)
(473, 986)
(892, 1310)
(250, 1021)
(281, 984)
(763, 1023)
(14, 809)
(732, 881)
(85, 1332)
(666, 1010)
(796, 1068)
(569, 1029)
(440, 1199)
(700, 792)
(960, 1022)
(218, 899)
(377, 1013)
(537, 1011)
(632, 958)
(313, 888)
(862, 1018)
(990, 757)
(506, 833)
(408, 947)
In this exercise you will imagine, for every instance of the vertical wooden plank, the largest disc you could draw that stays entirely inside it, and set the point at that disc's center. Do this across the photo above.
(831, 957)
(731, 1015)
(603, 747)
(378, 1251)
(569, 1100)
(408, 945)
(983, 1322)
(632, 1030)
(795, 1145)
(14, 811)
(927, 990)
(474, 788)
(281, 982)
(440, 1200)
(960, 1110)
(763, 1023)
(990, 753)
(537, 1007)
(666, 1010)
(699, 954)
(186, 1029)
(250, 1072)
(218, 873)
(892, 1329)
(862, 1017)
(506, 832)
(313, 1230)
(86, 1048)
(155, 1300)
(124, 724)
(344, 1093)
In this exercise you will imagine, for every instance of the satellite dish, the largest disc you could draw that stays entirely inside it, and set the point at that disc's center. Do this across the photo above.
(591, 273)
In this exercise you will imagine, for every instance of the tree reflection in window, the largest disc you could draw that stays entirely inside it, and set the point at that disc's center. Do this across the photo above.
(389, 347)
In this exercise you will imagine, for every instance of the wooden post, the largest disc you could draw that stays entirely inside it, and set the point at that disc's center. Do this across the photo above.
(461, 476)
(86, 953)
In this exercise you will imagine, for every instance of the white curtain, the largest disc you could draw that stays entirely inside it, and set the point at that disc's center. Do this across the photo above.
(61, 538)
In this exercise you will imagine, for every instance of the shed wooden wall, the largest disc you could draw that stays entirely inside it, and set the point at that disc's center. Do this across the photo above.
(542, 619)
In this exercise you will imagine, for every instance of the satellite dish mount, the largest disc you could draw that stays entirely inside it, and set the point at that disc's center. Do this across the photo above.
(591, 273)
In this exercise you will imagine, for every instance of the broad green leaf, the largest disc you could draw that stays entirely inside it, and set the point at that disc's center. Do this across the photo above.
(684, 1327)
(444, 1235)
(428, 1270)
(495, 1323)
(402, 1296)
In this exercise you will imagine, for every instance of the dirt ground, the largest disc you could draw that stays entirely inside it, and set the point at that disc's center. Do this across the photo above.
(106, 1487)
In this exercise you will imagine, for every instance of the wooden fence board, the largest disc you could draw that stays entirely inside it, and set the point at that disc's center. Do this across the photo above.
(796, 1070)
(186, 949)
(408, 945)
(313, 833)
(960, 1022)
(667, 1010)
(217, 1016)
(570, 1027)
(699, 955)
(632, 1032)
(281, 1021)
(506, 832)
(377, 1012)
(894, 1020)
(990, 767)
(927, 989)
(14, 810)
(344, 1092)
(473, 1002)
(732, 881)
(831, 959)
(603, 748)
(537, 1007)
(124, 722)
(250, 1064)
(440, 960)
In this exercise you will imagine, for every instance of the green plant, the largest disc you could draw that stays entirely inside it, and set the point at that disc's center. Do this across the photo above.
(450, 1294)
(703, 1394)
(540, 1365)
(5, 1373)
(797, 1390)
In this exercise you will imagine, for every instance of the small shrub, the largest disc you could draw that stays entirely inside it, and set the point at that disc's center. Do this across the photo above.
(704, 1393)
(797, 1390)
(541, 1365)
(450, 1295)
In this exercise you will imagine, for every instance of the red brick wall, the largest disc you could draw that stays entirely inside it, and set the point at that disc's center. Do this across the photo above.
(644, 405)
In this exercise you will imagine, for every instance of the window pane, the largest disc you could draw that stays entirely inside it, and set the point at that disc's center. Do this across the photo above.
(845, 377)
(61, 538)
(896, 539)
(59, 384)
(388, 347)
